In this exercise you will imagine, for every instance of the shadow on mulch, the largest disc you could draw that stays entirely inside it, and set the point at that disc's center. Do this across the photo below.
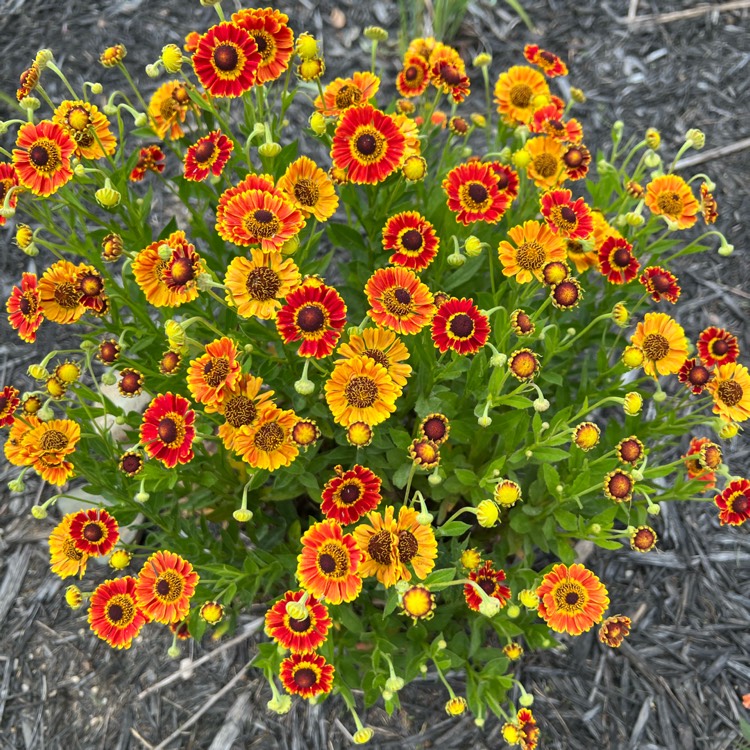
(674, 685)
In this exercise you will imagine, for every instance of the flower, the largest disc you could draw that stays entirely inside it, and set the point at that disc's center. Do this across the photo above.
(490, 581)
(309, 189)
(167, 430)
(399, 300)
(114, 614)
(298, 634)
(150, 159)
(211, 612)
(528, 730)
(255, 285)
(208, 155)
(616, 260)
(360, 390)
(273, 38)
(435, 428)
(424, 453)
(226, 60)
(120, 559)
(663, 342)
(534, 245)
(471, 558)
(417, 602)
(670, 196)
(47, 444)
(546, 166)
(378, 543)
(9, 402)
(384, 347)
(164, 587)
(717, 346)
(586, 435)
(643, 539)
(267, 442)
(24, 308)
(507, 493)
(551, 64)
(571, 599)
(473, 194)
(42, 159)
(88, 128)
(65, 558)
(305, 433)
(448, 74)
(306, 675)
(414, 77)
(523, 364)
(660, 284)
(368, 144)
(168, 108)
(8, 180)
(130, 383)
(566, 217)
(456, 706)
(113, 56)
(214, 374)
(342, 93)
(94, 532)
(694, 375)
(734, 503)
(730, 388)
(315, 313)
(412, 240)
(513, 651)
(516, 91)
(458, 325)
(487, 513)
(709, 207)
(415, 546)
(567, 294)
(350, 494)
(60, 299)
(359, 434)
(613, 630)
(241, 406)
(576, 160)
(328, 564)
(630, 450)
(618, 486)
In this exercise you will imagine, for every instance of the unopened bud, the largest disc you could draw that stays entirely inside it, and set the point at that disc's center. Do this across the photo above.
(269, 149)
(696, 138)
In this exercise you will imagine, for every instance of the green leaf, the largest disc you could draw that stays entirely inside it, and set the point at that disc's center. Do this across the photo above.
(453, 528)
(444, 575)
(345, 236)
(553, 455)
(566, 519)
(465, 476)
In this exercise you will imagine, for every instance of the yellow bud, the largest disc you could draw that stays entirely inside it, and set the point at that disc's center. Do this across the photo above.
(269, 149)
(171, 57)
(280, 705)
(521, 158)
(414, 169)
(107, 197)
(306, 46)
(632, 357)
(696, 138)
(479, 120)
(577, 95)
(511, 734)
(68, 372)
(175, 335)
(376, 33)
(471, 559)
(37, 511)
(363, 736)
(96, 88)
(55, 388)
(653, 139)
(456, 706)
(120, 559)
(487, 514)
(318, 123)
(73, 597)
(528, 598)
(242, 515)
(620, 314)
(212, 612)
(473, 246)
(290, 246)
(311, 70)
(729, 430)
(24, 236)
(482, 60)
(633, 403)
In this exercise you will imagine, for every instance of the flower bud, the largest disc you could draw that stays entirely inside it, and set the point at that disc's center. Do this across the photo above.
(620, 314)
(269, 149)
(653, 139)
(142, 496)
(484, 420)
(577, 95)
(152, 71)
(425, 518)
(521, 158)
(489, 606)
(456, 259)
(109, 378)
(375, 33)
(729, 430)
(173, 652)
(281, 703)
(528, 598)
(73, 597)
(242, 515)
(487, 514)
(633, 403)
(482, 60)
(318, 123)
(414, 169)
(541, 404)
(30, 103)
(290, 246)
(120, 559)
(140, 120)
(651, 159)
(659, 396)
(434, 480)
(37, 511)
(617, 127)
(171, 57)
(304, 386)
(306, 46)
(498, 359)
(634, 219)
(394, 684)
(107, 197)
(211, 612)
(17, 485)
(596, 528)
(526, 700)
(96, 88)
(364, 735)
(632, 357)
(45, 414)
(513, 611)
(456, 706)
(695, 138)
(473, 246)
(481, 122)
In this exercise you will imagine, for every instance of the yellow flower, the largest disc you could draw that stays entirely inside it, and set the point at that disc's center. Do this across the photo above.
(528, 598)
(456, 706)
(663, 342)
(306, 46)
(171, 57)
(471, 559)
(487, 514)
(633, 403)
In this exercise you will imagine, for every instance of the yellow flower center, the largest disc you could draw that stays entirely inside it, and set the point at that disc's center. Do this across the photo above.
(333, 560)
(655, 346)
(670, 203)
(78, 118)
(169, 587)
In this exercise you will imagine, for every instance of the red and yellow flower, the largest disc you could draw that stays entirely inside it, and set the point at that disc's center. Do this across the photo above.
(576, 160)
(614, 630)
(214, 374)
(168, 108)
(412, 240)
(88, 127)
(9, 402)
(663, 342)
(328, 564)
(309, 189)
(617, 262)
(344, 93)
(48, 444)
(734, 503)
(94, 531)
(384, 347)
(459, 325)
(378, 543)
(24, 308)
(114, 614)
(473, 194)
(550, 63)
(694, 375)
(566, 217)
(42, 159)
(670, 196)
(298, 635)
(314, 313)
(571, 599)
(660, 284)
(208, 155)
(65, 558)
(448, 74)
(534, 246)
(226, 60)
(350, 494)
(517, 92)
(709, 207)
(730, 388)
(273, 38)
(490, 581)
(415, 546)
(164, 587)
(267, 442)
(399, 300)
(695, 469)
(507, 179)
(167, 430)
(306, 675)
(716, 346)
(150, 159)
(414, 77)
(241, 407)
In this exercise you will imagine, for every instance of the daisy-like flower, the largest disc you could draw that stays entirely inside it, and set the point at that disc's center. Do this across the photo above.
(267, 442)
(306, 675)
(549, 120)
(528, 729)
(709, 207)
(546, 167)
(241, 407)
(88, 127)
(8, 180)
(576, 160)
(586, 435)
(309, 189)
(28, 81)
(643, 539)
(694, 375)
(378, 543)
(458, 325)
(315, 314)
(150, 159)
(48, 444)
(550, 63)
(113, 56)
(436, 428)
(716, 346)
(262, 182)
(384, 347)
(663, 342)
(343, 93)
(17, 448)
(298, 635)
(473, 194)
(424, 453)
(90, 285)
(273, 38)
(130, 463)
(448, 76)
(417, 602)
(208, 155)
(171, 282)
(416, 545)
(734, 503)
(94, 532)
(257, 217)
(164, 587)
(305, 433)
(168, 109)
(571, 599)
(506, 178)
(516, 92)
(360, 390)
(65, 558)
(351, 494)
(617, 262)
(255, 285)
(618, 486)
(660, 284)
(214, 374)
(167, 430)
(730, 388)
(9, 402)
(42, 159)
(614, 630)
(566, 217)
(490, 581)
(226, 60)
(414, 77)
(670, 196)
(412, 240)
(695, 469)
(114, 614)
(399, 300)
(523, 364)
(534, 245)
(328, 564)
(25, 309)
(368, 144)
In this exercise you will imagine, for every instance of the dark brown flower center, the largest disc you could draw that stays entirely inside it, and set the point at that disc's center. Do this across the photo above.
(25, 305)
(569, 215)
(411, 240)
(661, 282)
(477, 192)
(92, 532)
(53, 440)
(306, 191)
(502, 180)
(131, 464)
(310, 318)
(226, 57)
(366, 144)
(333, 560)
(740, 504)
(655, 346)
(571, 598)
(269, 437)
(487, 585)
(299, 626)
(530, 256)
(379, 547)
(620, 485)
(262, 283)
(115, 612)
(730, 392)
(566, 294)
(240, 410)
(66, 295)
(545, 165)
(39, 156)
(719, 347)
(461, 326)
(167, 430)
(434, 429)
(621, 257)
(263, 216)
(408, 546)
(204, 151)
(451, 75)
(349, 493)
(169, 586)
(305, 677)
(411, 73)
(361, 392)
(699, 375)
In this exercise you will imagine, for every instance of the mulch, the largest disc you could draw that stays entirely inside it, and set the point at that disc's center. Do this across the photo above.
(675, 684)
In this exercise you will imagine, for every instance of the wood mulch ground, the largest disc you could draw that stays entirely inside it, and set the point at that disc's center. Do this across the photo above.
(676, 683)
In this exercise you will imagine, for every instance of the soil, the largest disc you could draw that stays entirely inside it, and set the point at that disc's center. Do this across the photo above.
(676, 684)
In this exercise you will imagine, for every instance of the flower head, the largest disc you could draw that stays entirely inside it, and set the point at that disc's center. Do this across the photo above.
(164, 587)
(716, 346)
(670, 196)
(273, 39)
(42, 159)
(411, 239)
(298, 634)
(399, 300)
(94, 531)
(208, 155)
(306, 675)
(730, 388)
(114, 613)
(167, 430)
(267, 442)
(533, 246)
(351, 494)
(473, 194)
(614, 630)
(226, 60)
(25, 313)
(459, 325)
(490, 581)
(663, 342)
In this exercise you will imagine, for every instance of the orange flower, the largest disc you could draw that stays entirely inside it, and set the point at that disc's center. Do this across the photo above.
(94, 532)
(273, 38)
(24, 308)
(309, 189)
(343, 93)
(663, 342)
(566, 217)
(88, 127)
(267, 442)
(414, 76)
(226, 60)
(164, 587)
(382, 346)
(412, 240)
(42, 159)
(473, 194)
(670, 196)
(214, 374)
(399, 300)
(48, 445)
(114, 614)
(551, 64)
(303, 635)
(546, 167)
(730, 388)
(516, 92)
(242, 406)
(65, 558)
(534, 246)
(378, 543)
(168, 108)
